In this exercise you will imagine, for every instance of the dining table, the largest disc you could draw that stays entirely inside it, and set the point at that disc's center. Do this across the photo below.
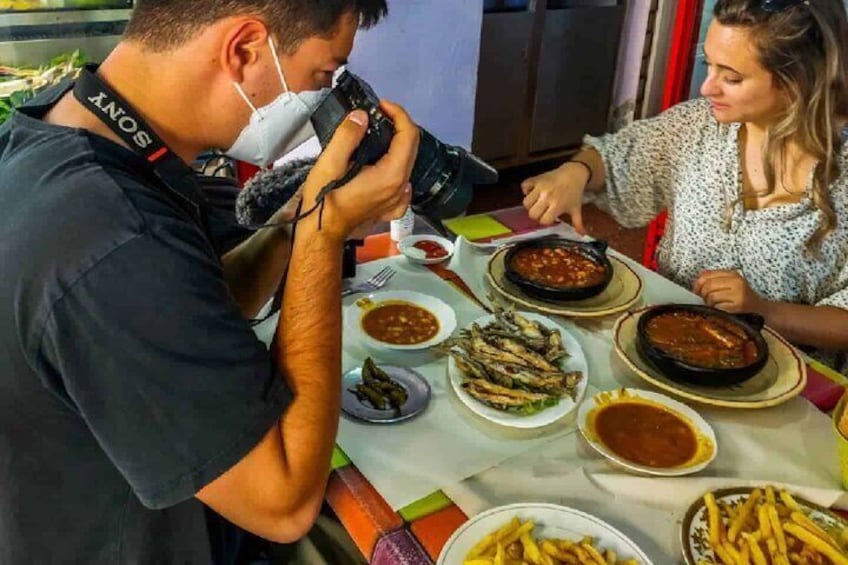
(402, 490)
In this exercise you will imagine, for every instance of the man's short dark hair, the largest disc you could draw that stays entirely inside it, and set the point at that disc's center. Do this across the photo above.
(165, 24)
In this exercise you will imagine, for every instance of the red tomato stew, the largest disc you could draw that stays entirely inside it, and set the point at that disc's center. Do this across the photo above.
(431, 248)
(703, 341)
(400, 323)
(557, 267)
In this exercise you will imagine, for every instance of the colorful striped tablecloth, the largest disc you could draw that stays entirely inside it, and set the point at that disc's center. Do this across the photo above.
(416, 534)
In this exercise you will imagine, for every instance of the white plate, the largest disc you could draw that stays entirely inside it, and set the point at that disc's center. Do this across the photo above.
(576, 361)
(418, 256)
(694, 530)
(551, 521)
(703, 431)
(353, 318)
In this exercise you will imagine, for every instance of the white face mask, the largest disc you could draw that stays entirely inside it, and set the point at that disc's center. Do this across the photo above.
(279, 127)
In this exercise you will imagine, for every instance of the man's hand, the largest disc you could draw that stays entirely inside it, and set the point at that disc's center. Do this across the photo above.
(378, 192)
(728, 291)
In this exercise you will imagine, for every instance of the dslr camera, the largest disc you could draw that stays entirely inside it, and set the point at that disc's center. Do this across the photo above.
(443, 176)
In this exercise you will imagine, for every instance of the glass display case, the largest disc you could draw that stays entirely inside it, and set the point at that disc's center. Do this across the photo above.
(34, 32)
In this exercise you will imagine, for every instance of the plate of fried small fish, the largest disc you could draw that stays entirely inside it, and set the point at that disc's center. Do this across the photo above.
(384, 394)
(517, 369)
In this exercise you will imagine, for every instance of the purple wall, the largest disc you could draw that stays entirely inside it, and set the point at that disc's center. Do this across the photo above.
(424, 56)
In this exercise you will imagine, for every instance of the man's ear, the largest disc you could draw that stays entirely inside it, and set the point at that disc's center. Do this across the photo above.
(242, 44)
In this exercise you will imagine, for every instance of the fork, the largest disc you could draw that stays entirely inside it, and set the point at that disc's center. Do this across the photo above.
(374, 283)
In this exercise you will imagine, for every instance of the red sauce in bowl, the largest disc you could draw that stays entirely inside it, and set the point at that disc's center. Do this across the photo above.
(431, 248)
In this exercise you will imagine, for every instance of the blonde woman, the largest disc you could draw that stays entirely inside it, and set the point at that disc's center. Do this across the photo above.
(753, 174)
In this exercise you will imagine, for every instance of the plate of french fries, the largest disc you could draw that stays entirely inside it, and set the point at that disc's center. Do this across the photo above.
(762, 526)
(539, 534)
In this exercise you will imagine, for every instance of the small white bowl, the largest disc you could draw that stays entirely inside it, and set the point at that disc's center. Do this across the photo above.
(703, 431)
(407, 247)
(354, 313)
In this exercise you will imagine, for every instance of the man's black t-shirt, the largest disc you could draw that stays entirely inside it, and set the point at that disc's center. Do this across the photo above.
(128, 377)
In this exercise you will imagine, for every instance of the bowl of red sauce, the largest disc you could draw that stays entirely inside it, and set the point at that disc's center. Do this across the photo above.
(559, 270)
(426, 249)
(701, 345)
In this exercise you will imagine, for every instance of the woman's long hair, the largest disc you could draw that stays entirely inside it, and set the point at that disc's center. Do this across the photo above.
(805, 48)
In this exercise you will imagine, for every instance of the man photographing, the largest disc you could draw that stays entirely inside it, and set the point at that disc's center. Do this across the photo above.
(134, 395)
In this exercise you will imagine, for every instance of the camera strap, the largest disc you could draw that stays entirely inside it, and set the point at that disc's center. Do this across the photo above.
(177, 179)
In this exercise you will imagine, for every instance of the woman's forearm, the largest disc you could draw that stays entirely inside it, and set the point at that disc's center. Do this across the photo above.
(593, 160)
(822, 327)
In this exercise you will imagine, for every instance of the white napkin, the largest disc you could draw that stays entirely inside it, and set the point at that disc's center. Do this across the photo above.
(674, 493)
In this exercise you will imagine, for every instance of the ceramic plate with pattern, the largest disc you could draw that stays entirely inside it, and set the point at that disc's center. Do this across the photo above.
(694, 531)
(624, 291)
(783, 377)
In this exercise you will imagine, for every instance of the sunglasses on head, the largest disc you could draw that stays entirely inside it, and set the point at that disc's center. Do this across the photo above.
(775, 6)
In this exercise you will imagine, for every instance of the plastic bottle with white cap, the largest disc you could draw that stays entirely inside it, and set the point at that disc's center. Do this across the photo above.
(403, 226)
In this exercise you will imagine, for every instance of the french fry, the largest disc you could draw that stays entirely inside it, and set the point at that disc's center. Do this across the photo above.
(744, 555)
(514, 536)
(713, 519)
(490, 540)
(815, 542)
(611, 557)
(770, 494)
(731, 551)
(479, 561)
(757, 556)
(723, 556)
(531, 550)
(765, 522)
(581, 554)
(593, 553)
(500, 557)
(803, 521)
(777, 530)
(742, 516)
(789, 502)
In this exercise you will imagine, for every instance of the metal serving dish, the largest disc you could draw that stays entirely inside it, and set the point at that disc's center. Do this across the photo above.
(594, 251)
(680, 370)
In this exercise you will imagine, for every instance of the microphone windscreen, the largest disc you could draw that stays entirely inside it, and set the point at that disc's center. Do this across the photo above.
(269, 190)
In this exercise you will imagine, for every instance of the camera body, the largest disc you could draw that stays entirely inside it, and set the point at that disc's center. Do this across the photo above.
(443, 176)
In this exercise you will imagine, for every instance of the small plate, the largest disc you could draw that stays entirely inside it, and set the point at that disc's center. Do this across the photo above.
(623, 291)
(551, 521)
(353, 318)
(694, 530)
(576, 361)
(407, 247)
(704, 433)
(783, 377)
(417, 389)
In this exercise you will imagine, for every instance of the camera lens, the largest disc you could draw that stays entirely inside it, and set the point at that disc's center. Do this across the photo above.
(443, 176)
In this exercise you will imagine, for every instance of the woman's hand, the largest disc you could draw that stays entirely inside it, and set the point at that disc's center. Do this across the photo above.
(552, 194)
(728, 291)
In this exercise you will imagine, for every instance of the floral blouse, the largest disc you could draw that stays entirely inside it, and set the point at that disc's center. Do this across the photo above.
(686, 161)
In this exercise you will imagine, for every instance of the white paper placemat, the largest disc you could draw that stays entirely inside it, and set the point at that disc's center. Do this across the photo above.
(447, 442)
